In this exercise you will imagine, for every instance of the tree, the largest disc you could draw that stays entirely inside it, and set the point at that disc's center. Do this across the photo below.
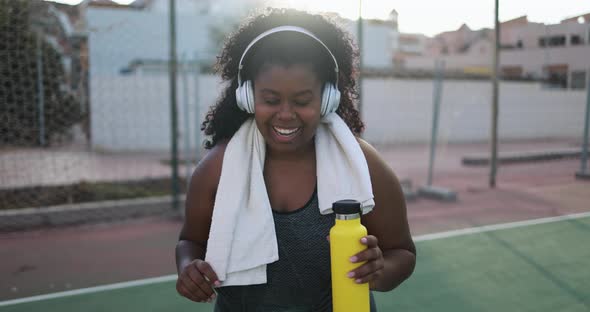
(19, 91)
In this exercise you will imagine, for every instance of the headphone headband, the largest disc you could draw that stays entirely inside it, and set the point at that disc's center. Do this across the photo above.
(281, 29)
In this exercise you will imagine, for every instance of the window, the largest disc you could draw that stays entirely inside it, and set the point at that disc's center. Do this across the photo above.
(511, 72)
(553, 41)
(556, 76)
(556, 41)
(576, 40)
(557, 80)
(578, 80)
(542, 42)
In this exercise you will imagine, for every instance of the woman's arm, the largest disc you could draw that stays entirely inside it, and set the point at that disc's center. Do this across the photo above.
(391, 253)
(195, 276)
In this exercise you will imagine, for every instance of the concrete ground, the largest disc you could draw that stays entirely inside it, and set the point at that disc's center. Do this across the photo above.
(50, 260)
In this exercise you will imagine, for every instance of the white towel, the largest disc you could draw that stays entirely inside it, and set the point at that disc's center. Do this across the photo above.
(242, 238)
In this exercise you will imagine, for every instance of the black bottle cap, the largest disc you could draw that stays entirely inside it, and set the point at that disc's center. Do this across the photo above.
(347, 206)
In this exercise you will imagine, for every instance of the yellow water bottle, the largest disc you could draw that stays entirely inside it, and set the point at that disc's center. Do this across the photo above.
(345, 236)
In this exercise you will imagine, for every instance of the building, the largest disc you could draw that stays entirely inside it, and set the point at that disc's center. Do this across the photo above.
(456, 42)
(408, 45)
(380, 38)
(463, 50)
(556, 54)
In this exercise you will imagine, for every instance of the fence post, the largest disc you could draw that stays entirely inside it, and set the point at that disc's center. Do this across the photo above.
(197, 109)
(173, 109)
(186, 119)
(439, 67)
(583, 173)
(40, 89)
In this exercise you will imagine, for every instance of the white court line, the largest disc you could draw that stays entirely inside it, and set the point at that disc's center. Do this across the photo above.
(90, 290)
(420, 238)
(501, 226)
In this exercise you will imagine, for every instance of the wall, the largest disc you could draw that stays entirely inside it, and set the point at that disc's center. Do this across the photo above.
(452, 61)
(400, 111)
(132, 112)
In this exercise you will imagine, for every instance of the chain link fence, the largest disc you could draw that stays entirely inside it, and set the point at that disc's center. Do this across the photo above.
(84, 112)
(85, 99)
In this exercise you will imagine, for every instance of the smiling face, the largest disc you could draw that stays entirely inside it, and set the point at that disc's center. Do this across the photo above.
(287, 106)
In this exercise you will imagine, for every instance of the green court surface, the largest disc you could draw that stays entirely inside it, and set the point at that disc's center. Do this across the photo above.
(543, 267)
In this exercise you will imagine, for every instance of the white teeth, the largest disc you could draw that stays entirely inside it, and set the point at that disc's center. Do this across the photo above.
(284, 131)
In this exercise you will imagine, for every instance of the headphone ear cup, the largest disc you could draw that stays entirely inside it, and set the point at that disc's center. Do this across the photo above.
(325, 100)
(239, 98)
(249, 91)
(335, 99)
(330, 99)
(244, 97)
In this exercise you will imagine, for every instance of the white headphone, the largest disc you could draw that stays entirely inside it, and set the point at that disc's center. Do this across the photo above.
(245, 92)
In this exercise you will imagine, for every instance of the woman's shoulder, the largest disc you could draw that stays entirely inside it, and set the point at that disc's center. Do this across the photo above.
(214, 156)
(367, 148)
(200, 197)
(373, 157)
(208, 170)
(379, 170)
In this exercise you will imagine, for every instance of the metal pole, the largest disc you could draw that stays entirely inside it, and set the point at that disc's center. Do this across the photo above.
(40, 91)
(186, 115)
(545, 71)
(429, 190)
(584, 159)
(495, 108)
(173, 108)
(197, 110)
(360, 44)
(436, 96)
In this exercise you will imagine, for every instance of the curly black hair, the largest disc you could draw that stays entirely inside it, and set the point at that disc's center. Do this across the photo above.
(225, 118)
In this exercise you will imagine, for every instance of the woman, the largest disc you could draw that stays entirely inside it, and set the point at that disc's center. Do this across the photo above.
(283, 81)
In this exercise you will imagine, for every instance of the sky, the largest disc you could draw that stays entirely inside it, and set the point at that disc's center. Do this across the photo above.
(430, 17)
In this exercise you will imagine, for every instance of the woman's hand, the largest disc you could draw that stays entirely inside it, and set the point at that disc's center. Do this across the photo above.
(196, 282)
(372, 269)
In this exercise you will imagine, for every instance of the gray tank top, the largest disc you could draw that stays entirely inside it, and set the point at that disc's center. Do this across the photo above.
(300, 280)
